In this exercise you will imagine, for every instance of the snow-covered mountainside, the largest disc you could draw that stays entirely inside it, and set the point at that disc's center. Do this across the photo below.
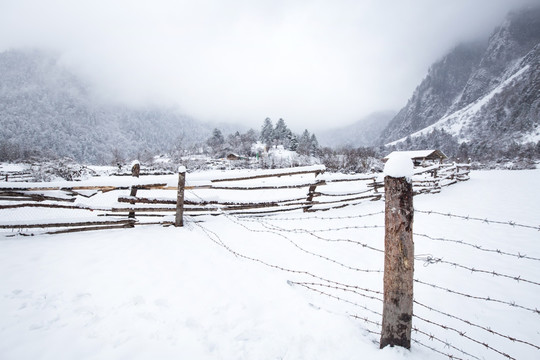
(479, 95)
(46, 111)
(364, 132)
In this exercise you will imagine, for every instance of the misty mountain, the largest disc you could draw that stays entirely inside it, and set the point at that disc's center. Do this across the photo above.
(479, 98)
(46, 111)
(364, 132)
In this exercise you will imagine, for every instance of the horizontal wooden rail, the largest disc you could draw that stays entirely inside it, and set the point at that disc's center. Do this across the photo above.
(65, 224)
(317, 170)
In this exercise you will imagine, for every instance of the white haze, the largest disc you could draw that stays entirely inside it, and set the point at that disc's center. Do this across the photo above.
(316, 64)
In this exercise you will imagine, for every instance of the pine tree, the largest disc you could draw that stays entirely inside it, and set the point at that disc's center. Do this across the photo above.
(304, 143)
(313, 146)
(216, 142)
(280, 132)
(267, 132)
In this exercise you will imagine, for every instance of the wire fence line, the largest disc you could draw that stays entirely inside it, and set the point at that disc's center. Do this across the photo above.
(478, 247)
(485, 298)
(429, 260)
(345, 293)
(470, 323)
(464, 335)
(483, 220)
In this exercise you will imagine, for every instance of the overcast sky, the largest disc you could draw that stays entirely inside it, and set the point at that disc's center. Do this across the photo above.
(314, 63)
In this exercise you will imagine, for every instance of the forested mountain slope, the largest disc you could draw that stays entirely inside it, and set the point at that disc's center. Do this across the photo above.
(480, 100)
(46, 111)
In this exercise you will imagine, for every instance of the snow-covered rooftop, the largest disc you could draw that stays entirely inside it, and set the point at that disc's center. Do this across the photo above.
(419, 154)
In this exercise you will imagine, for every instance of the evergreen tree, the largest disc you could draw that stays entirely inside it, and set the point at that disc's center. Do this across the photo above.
(292, 141)
(216, 142)
(304, 143)
(247, 139)
(313, 146)
(267, 132)
(280, 132)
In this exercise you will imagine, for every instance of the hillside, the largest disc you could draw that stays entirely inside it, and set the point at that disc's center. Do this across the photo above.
(479, 96)
(47, 112)
(364, 132)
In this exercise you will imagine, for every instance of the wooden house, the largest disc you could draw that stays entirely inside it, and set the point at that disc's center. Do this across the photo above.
(421, 157)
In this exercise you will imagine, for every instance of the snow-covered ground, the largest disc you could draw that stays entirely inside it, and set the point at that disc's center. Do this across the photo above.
(231, 287)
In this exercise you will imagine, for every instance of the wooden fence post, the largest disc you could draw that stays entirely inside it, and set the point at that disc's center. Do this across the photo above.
(179, 221)
(135, 170)
(311, 193)
(398, 262)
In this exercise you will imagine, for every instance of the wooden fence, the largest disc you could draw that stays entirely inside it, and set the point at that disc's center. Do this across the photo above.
(108, 202)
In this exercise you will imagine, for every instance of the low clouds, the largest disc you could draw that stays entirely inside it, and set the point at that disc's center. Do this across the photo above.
(315, 63)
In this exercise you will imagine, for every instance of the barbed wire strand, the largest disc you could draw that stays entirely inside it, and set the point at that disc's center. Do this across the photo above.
(478, 247)
(335, 287)
(464, 335)
(211, 234)
(430, 260)
(320, 292)
(307, 217)
(432, 337)
(304, 250)
(309, 232)
(487, 329)
(450, 356)
(487, 221)
(512, 304)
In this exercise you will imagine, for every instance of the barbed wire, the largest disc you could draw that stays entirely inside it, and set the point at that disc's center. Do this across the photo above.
(487, 221)
(367, 321)
(478, 247)
(299, 230)
(320, 292)
(307, 217)
(450, 356)
(347, 289)
(487, 329)
(302, 249)
(512, 304)
(217, 240)
(309, 232)
(432, 337)
(464, 335)
(429, 260)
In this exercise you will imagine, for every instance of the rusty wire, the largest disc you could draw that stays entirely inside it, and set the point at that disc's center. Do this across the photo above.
(479, 247)
(428, 260)
(512, 304)
(470, 323)
(486, 221)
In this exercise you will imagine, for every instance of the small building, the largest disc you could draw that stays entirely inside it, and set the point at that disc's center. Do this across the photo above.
(421, 157)
(233, 156)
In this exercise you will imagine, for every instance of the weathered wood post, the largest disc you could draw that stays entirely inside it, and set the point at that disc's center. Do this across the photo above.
(311, 192)
(399, 253)
(179, 220)
(135, 170)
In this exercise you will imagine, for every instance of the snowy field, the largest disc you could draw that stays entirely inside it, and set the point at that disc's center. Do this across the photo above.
(289, 286)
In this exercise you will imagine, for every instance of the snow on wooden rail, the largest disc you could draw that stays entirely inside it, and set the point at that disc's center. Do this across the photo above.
(206, 193)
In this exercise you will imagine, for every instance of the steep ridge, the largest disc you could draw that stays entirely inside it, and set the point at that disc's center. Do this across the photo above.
(495, 108)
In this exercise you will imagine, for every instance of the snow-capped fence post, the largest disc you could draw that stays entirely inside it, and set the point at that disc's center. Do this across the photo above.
(179, 220)
(399, 253)
(135, 171)
(311, 193)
